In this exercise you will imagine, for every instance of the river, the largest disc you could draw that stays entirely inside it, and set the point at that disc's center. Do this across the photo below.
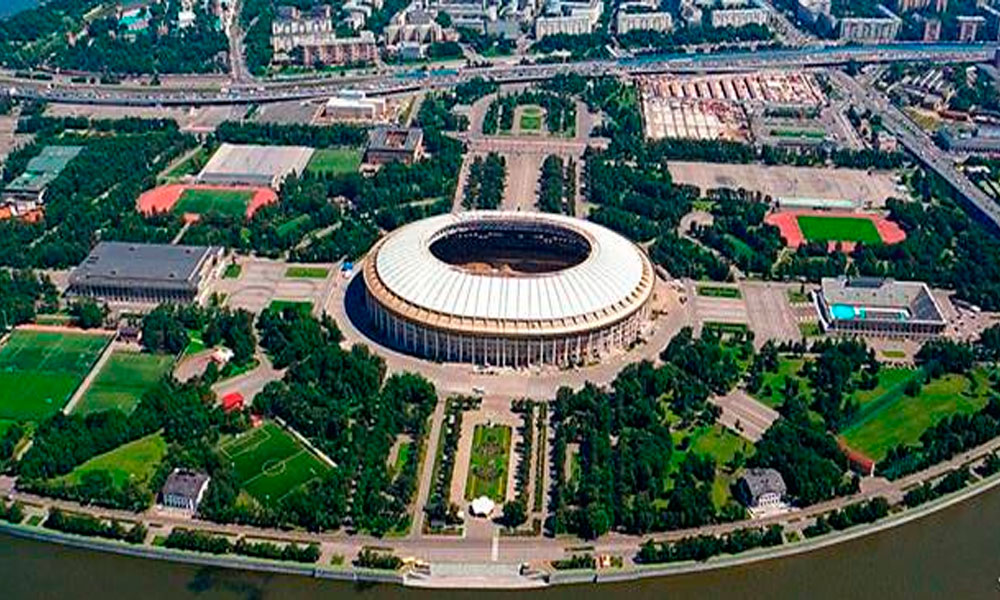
(953, 554)
(9, 7)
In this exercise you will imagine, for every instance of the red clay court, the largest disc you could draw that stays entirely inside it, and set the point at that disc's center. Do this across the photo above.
(843, 228)
(163, 199)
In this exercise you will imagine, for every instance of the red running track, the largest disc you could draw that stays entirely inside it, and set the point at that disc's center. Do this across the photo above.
(162, 199)
(787, 223)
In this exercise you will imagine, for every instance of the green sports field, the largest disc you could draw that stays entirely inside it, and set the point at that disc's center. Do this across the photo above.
(901, 419)
(270, 463)
(227, 202)
(136, 461)
(122, 381)
(335, 161)
(838, 229)
(488, 463)
(39, 371)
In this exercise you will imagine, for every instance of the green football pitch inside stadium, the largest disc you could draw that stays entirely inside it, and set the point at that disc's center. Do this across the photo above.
(40, 370)
(227, 202)
(839, 229)
(270, 463)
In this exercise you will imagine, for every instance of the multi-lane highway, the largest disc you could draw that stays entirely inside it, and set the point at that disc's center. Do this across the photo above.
(920, 145)
(385, 81)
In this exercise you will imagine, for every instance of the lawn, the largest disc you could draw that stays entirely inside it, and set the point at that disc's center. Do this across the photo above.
(531, 119)
(39, 371)
(232, 271)
(717, 442)
(270, 463)
(307, 272)
(890, 381)
(303, 305)
(122, 381)
(334, 161)
(227, 202)
(195, 343)
(715, 291)
(809, 328)
(488, 463)
(902, 419)
(772, 384)
(136, 461)
(797, 297)
(838, 229)
(402, 456)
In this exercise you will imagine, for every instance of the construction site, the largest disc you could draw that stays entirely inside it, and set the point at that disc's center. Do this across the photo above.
(715, 107)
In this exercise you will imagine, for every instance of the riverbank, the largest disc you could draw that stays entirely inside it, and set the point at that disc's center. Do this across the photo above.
(354, 575)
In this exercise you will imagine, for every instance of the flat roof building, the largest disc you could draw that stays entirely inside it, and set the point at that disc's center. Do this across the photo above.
(145, 273)
(394, 144)
(878, 307)
(39, 173)
(184, 489)
(255, 165)
(355, 106)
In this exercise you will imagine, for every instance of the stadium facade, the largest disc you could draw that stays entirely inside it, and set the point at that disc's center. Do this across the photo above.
(507, 289)
(878, 307)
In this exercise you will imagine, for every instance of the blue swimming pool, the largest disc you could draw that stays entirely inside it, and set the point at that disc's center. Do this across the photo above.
(843, 312)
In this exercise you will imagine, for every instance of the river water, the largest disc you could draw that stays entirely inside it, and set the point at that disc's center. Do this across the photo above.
(9, 7)
(953, 554)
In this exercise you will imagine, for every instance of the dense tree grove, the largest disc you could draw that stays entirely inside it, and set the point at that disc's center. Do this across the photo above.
(94, 527)
(112, 168)
(341, 402)
(166, 329)
(162, 48)
(738, 230)
(859, 513)
(313, 136)
(557, 186)
(943, 247)
(704, 547)
(952, 482)
(485, 183)
(22, 293)
(560, 111)
(625, 446)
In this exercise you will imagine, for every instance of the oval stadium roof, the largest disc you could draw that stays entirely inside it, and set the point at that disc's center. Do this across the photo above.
(608, 278)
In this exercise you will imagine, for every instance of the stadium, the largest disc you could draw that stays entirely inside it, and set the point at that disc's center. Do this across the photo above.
(878, 307)
(507, 289)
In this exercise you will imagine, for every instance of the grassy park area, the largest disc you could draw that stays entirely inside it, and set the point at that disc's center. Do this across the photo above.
(270, 463)
(896, 418)
(334, 161)
(488, 463)
(203, 201)
(40, 370)
(136, 461)
(307, 272)
(531, 119)
(718, 443)
(122, 381)
(838, 229)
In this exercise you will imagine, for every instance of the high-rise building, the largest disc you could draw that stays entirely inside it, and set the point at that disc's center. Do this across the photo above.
(968, 27)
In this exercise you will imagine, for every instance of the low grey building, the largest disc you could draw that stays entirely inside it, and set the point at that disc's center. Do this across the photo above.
(394, 144)
(145, 273)
(184, 489)
(762, 488)
(878, 307)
